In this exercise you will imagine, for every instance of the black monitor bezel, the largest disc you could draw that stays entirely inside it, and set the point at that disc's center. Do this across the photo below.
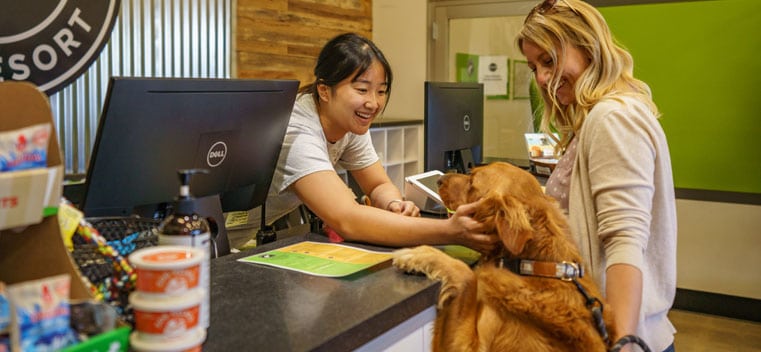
(130, 104)
(446, 105)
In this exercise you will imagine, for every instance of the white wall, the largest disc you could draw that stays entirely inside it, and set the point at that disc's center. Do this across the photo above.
(719, 248)
(505, 120)
(399, 30)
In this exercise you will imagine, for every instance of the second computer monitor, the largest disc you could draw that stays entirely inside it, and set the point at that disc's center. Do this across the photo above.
(454, 126)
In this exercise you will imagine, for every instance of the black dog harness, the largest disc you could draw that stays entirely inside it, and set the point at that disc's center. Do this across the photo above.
(570, 271)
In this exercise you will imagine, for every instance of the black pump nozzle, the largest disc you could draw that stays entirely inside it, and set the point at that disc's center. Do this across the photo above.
(185, 198)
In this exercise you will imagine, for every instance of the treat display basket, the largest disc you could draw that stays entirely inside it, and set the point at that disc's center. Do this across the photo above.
(100, 249)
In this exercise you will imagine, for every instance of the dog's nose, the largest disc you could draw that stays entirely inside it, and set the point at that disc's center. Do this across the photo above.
(439, 182)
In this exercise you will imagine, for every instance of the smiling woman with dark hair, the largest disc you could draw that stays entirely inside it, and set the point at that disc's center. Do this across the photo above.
(328, 129)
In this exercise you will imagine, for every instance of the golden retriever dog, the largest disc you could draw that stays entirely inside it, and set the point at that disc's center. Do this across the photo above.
(523, 296)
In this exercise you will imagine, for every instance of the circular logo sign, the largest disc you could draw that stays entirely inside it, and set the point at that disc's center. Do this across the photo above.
(466, 123)
(216, 154)
(52, 42)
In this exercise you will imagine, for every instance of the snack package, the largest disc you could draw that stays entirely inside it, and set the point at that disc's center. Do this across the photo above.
(5, 320)
(5, 342)
(24, 148)
(91, 317)
(40, 314)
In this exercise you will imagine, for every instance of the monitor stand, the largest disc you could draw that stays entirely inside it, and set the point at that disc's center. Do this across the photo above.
(209, 207)
(459, 161)
(466, 162)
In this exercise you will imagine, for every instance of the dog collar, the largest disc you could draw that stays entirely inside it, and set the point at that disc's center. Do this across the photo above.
(565, 271)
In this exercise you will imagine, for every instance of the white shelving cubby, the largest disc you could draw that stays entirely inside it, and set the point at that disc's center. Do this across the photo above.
(400, 151)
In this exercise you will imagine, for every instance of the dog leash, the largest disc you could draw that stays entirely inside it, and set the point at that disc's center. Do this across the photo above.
(595, 305)
(570, 271)
(566, 271)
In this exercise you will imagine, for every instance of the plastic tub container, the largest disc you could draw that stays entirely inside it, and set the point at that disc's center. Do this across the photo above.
(188, 342)
(162, 316)
(167, 269)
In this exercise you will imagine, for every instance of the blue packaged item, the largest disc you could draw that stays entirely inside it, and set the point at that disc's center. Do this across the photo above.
(5, 310)
(5, 320)
(5, 342)
(24, 148)
(40, 314)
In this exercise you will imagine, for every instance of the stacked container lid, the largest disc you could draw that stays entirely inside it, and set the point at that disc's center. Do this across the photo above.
(167, 300)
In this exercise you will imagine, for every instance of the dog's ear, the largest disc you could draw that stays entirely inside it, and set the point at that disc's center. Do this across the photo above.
(512, 223)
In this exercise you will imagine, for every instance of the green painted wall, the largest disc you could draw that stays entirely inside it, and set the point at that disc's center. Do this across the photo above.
(702, 60)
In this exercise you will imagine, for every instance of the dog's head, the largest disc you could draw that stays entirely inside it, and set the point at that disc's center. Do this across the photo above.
(512, 202)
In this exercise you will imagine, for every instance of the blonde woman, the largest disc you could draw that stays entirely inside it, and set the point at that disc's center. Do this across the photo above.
(614, 175)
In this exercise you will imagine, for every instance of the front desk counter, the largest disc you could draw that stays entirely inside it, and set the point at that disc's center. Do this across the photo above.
(261, 308)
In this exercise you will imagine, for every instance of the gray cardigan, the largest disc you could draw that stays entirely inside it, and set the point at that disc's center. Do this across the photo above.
(622, 207)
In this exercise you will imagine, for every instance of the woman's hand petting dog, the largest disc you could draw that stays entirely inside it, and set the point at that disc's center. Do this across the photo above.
(473, 233)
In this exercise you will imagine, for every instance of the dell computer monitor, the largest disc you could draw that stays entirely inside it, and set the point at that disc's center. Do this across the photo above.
(152, 127)
(454, 126)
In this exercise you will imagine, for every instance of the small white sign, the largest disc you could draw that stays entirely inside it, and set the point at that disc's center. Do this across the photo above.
(492, 72)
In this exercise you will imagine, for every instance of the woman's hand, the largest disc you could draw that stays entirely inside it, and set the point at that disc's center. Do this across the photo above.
(471, 231)
(403, 207)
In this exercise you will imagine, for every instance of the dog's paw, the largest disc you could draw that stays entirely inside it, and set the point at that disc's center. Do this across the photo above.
(404, 259)
(429, 261)
(454, 275)
(415, 260)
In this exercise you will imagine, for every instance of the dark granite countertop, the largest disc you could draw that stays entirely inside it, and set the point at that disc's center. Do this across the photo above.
(256, 307)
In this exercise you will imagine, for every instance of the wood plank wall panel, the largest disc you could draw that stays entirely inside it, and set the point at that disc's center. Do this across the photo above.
(280, 39)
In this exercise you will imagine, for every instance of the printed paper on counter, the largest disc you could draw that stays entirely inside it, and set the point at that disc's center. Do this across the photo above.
(320, 259)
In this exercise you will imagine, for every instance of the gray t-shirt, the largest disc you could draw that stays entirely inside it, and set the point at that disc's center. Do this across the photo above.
(305, 151)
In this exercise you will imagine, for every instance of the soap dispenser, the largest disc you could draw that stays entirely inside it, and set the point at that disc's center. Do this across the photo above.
(184, 227)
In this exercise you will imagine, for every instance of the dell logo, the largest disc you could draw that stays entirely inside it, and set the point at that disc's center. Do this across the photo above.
(216, 154)
(466, 123)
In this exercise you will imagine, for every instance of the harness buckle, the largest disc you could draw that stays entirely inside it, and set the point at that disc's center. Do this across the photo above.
(570, 271)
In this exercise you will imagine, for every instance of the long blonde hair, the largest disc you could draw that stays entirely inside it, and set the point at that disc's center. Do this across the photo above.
(574, 23)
